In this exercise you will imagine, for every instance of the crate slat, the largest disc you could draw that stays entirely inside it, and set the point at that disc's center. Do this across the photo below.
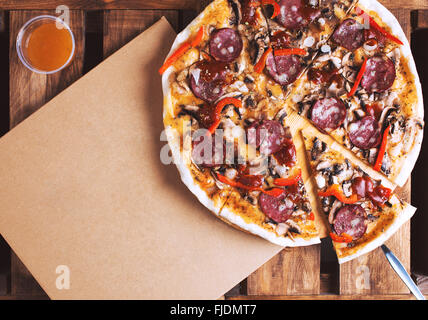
(99, 4)
(156, 4)
(121, 26)
(329, 297)
(294, 271)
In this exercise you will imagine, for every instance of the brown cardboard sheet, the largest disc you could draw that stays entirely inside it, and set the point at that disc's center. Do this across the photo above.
(83, 186)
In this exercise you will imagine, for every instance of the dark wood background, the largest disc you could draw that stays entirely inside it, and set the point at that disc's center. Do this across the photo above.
(103, 26)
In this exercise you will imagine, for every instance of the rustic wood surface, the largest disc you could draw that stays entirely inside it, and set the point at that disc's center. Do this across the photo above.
(156, 4)
(330, 297)
(121, 26)
(295, 273)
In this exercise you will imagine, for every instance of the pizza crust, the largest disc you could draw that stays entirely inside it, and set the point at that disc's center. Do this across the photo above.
(261, 232)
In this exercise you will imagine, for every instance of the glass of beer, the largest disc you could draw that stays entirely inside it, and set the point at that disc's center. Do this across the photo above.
(45, 44)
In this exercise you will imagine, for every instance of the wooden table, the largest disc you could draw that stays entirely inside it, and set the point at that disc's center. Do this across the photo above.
(103, 26)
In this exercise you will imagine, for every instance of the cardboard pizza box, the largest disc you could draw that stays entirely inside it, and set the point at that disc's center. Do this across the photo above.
(90, 209)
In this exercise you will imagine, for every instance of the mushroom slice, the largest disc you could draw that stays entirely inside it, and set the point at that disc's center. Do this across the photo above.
(320, 180)
(331, 215)
(282, 228)
(323, 165)
(294, 227)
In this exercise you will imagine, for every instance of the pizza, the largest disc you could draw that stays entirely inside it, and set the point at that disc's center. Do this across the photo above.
(235, 81)
(361, 210)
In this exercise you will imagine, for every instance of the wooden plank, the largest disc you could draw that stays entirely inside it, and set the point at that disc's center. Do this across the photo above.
(328, 297)
(371, 273)
(419, 192)
(4, 126)
(28, 92)
(99, 4)
(422, 281)
(3, 284)
(2, 21)
(421, 19)
(294, 271)
(201, 4)
(23, 297)
(121, 26)
(156, 4)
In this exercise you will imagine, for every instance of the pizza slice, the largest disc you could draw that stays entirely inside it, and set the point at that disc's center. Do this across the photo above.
(363, 90)
(360, 208)
(269, 198)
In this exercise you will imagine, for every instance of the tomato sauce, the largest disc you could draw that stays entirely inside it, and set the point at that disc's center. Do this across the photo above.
(287, 155)
(324, 75)
(279, 40)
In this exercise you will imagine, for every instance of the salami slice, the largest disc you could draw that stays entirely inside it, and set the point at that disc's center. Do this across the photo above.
(284, 69)
(225, 44)
(207, 152)
(351, 219)
(365, 133)
(328, 113)
(279, 209)
(268, 135)
(379, 75)
(207, 80)
(350, 35)
(295, 14)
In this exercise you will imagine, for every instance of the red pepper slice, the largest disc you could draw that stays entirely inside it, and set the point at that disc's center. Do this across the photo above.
(198, 39)
(346, 238)
(276, 7)
(262, 62)
(382, 149)
(275, 192)
(181, 50)
(334, 190)
(287, 52)
(283, 182)
(219, 108)
(376, 26)
(311, 216)
(358, 80)
(232, 183)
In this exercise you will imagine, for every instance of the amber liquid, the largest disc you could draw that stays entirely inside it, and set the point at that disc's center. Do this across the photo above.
(47, 47)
